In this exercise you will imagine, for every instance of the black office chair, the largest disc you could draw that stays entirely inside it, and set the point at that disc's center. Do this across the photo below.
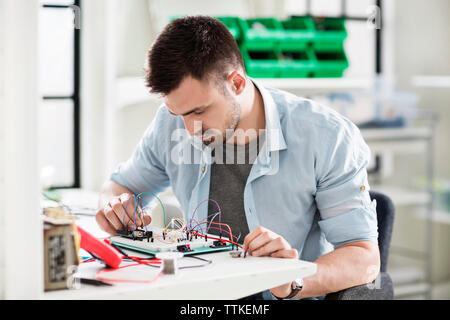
(382, 288)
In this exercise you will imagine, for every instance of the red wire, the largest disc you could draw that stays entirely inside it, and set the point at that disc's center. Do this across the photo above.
(215, 228)
(209, 237)
(231, 235)
(140, 261)
(145, 259)
(98, 277)
(200, 222)
(151, 261)
(88, 260)
(222, 224)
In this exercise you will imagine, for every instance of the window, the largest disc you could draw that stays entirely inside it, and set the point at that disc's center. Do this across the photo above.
(59, 83)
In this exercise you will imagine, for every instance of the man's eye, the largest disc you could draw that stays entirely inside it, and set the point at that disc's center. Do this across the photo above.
(199, 112)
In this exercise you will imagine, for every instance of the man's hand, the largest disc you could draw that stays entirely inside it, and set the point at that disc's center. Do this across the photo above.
(118, 214)
(263, 242)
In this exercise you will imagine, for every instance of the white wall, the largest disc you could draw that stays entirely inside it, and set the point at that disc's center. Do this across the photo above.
(422, 47)
(93, 93)
(116, 35)
(116, 38)
(20, 228)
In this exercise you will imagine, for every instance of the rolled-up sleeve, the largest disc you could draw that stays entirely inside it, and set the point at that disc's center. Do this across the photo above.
(145, 169)
(346, 212)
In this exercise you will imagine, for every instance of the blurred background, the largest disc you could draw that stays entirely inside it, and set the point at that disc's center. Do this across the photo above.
(71, 78)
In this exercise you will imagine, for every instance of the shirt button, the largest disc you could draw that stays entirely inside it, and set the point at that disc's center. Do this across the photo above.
(203, 169)
(363, 188)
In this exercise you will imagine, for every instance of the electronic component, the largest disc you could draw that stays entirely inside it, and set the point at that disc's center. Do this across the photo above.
(169, 261)
(170, 240)
(184, 248)
(99, 249)
(61, 245)
(219, 244)
(235, 254)
(137, 234)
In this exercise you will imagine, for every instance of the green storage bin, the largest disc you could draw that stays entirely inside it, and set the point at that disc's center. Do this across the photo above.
(298, 63)
(279, 64)
(233, 26)
(330, 64)
(261, 33)
(261, 64)
(330, 33)
(299, 33)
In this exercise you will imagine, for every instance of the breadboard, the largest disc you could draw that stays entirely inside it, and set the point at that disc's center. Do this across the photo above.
(170, 242)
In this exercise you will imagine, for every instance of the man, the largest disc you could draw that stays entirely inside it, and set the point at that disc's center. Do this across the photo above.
(305, 194)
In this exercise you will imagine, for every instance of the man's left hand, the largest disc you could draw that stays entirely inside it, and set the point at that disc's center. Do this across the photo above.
(263, 242)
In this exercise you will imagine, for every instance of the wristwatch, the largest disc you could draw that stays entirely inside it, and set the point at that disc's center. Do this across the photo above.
(296, 287)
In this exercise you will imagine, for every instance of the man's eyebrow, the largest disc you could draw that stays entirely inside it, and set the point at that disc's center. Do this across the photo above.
(189, 112)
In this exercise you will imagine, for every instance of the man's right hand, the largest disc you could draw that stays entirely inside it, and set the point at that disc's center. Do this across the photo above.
(119, 214)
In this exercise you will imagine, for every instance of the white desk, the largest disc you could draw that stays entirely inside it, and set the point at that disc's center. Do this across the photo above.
(224, 278)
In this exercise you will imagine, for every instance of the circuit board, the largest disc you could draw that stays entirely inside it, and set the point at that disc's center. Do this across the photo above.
(154, 240)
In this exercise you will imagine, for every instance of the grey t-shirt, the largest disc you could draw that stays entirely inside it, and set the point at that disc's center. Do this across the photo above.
(229, 173)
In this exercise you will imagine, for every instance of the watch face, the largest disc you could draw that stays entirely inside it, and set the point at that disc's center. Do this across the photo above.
(297, 284)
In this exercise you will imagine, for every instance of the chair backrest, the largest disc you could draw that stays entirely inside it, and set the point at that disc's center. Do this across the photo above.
(385, 217)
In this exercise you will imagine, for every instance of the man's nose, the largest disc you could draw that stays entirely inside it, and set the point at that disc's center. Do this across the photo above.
(189, 127)
(193, 126)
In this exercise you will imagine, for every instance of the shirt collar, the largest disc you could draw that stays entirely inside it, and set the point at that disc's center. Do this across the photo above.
(274, 135)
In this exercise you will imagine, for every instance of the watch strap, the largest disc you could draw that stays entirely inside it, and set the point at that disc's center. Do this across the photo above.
(294, 291)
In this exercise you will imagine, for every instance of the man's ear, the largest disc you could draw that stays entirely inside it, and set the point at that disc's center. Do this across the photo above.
(237, 82)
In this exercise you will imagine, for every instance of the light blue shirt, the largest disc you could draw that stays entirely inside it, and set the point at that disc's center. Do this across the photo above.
(308, 184)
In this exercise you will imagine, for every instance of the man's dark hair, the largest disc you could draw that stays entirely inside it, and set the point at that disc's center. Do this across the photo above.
(197, 46)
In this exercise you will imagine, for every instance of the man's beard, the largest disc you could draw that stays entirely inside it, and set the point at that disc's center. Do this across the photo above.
(233, 120)
(231, 123)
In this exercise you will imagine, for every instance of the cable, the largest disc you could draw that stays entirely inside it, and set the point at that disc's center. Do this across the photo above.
(160, 202)
(203, 201)
(198, 222)
(141, 262)
(225, 240)
(136, 209)
(212, 219)
(125, 213)
(197, 266)
(99, 277)
(226, 232)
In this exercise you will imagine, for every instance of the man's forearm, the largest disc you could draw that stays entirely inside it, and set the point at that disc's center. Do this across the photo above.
(350, 265)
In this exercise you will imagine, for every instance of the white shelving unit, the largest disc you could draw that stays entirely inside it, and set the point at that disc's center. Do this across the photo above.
(132, 90)
(398, 140)
(438, 216)
(409, 281)
(318, 85)
(403, 196)
(431, 81)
